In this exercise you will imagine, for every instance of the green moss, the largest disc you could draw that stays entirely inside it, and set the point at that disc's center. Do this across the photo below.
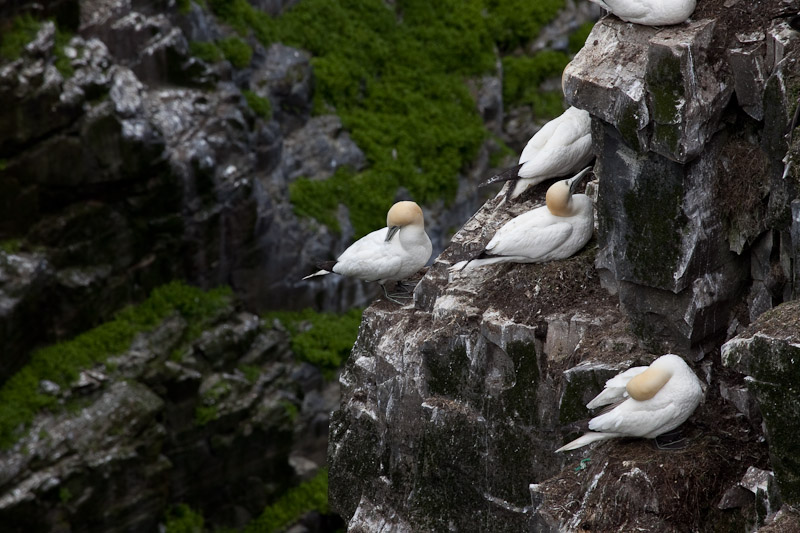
(577, 39)
(448, 373)
(322, 339)
(521, 398)
(182, 519)
(291, 410)
(3, 164)
(258, 104)
(64, 495)
(20, 397)
(523, 75)
(203, 414)
(207, 51)
(514, 23)
(311, 495)
(503, 151)
(11, 246)
(184, 6)
(395, 75)
(13, 40)
(251, 372)
(654, 239)
(63, 63)
(236, 51)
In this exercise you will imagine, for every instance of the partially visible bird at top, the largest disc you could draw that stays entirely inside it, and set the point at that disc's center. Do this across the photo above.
(553, 231)
(560, 148)
(649, 401)
(650, 12)
(392, 253)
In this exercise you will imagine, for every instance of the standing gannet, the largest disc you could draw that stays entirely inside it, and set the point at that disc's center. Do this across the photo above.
(560, 148)
(389, 254)
(650, 12)
(553, 231)
(654, 399)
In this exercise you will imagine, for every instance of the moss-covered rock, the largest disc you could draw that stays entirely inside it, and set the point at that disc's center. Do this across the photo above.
(768, 353)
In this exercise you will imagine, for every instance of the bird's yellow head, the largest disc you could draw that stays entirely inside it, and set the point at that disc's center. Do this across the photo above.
(403, 214)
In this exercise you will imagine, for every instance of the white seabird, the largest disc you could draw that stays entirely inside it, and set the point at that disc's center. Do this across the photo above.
(652, 400)
(560, 148)
(392, 253)
(650, 12)
(553, 231)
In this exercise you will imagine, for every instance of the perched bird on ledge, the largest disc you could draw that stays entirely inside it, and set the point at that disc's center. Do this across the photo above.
(554, 231)
(561, 147)
(650, 12)
(389, 254)
(650, 400)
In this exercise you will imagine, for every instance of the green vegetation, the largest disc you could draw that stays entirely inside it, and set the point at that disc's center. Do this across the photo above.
(12, 41)
(182, 519)
(258, 104)
(63, 63)
(208, 409)
(11, 246)
(184, 6)
(513, 23)
(23, 30)
(207, 51)
(236, 51)
(311, 495)
(322, 339)
(578, 38)
(523, 75)
(64, 495)
(395, 76)
(20, 396)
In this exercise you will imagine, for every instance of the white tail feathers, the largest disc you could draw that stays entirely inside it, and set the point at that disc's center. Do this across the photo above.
(317, 273)
(586, 439)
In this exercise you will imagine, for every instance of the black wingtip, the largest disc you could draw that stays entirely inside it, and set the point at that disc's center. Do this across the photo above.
(326, 265)
(510, 173)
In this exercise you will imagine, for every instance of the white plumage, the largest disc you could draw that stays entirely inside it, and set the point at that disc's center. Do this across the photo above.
(561, 147)
(392, 253)
(650, 12)
(654, 400)
(551, 232)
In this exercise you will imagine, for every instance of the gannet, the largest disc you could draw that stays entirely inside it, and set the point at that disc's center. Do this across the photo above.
(553, 231)
(560, 148)
(392, 253)
(650, 12)
(652, 400)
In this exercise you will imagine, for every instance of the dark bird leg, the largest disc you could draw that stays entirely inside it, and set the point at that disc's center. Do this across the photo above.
(671, 440)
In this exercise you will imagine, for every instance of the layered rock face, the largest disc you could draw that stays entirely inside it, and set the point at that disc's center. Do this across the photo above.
(452, 406)
(167, 422)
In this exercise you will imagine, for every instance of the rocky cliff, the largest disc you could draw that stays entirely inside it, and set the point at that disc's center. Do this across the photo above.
(452, 406)
(145, 141)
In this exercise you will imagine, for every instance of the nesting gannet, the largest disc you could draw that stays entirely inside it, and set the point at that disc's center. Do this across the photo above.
(650, 12)
(560, 148)
(653, 400)
(554, 231)
(392, 253)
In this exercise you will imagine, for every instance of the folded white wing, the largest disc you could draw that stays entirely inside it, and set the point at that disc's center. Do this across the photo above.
(614, 390)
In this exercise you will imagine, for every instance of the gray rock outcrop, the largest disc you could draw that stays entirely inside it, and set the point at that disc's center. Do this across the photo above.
(166, 422)
(460, 399)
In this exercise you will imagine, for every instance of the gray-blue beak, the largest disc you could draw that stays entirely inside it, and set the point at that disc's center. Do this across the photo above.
(391, 232)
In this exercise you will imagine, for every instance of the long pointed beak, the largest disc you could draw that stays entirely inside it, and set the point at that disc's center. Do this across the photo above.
(391, 232)
(576, 179)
